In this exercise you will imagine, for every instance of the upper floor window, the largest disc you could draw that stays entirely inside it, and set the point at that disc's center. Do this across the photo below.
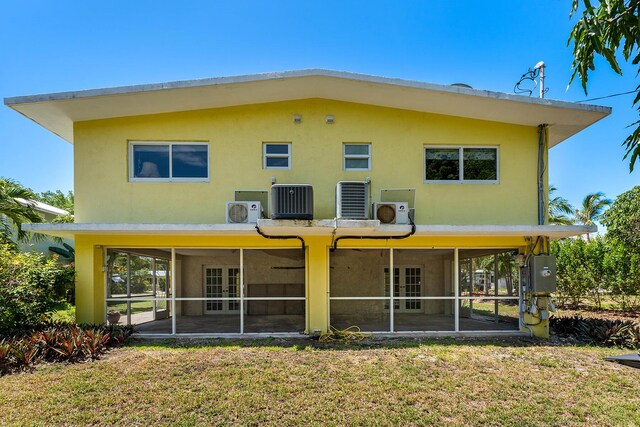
(461, 164)
(168, 161)
(276, 155)
(357, 157)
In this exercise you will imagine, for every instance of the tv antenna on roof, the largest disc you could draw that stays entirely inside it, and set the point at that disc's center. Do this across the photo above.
(529, 78)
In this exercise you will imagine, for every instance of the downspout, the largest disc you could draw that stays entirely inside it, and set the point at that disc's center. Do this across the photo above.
(266, 236)
(542, 143)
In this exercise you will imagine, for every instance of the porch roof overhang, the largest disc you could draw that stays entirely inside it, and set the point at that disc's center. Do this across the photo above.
(58, 112)
(323, 227)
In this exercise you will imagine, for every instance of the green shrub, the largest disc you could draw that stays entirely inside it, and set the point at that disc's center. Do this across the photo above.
(609, 333)
(31, 286)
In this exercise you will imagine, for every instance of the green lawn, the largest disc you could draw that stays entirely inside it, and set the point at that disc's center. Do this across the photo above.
(136, 306)
(511, 382)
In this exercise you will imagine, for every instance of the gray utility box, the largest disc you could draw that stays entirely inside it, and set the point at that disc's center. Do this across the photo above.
(543, 274)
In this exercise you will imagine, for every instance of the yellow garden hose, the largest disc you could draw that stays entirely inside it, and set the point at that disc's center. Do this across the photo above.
(346, 336)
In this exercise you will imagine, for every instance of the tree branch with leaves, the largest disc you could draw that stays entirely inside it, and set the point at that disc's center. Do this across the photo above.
(607, 30)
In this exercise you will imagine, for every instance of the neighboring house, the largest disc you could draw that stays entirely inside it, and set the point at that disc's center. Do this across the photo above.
(157, 240)
(48, 214)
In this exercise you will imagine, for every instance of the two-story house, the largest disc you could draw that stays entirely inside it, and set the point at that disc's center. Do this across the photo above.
(288, 202)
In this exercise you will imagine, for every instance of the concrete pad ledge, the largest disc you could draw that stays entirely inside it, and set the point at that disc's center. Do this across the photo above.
(322, 227)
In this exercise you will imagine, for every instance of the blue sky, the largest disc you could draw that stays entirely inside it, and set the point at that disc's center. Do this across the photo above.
(60, 46)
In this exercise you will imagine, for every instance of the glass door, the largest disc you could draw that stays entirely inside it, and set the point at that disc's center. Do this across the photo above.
(407, 282)
(220, 282)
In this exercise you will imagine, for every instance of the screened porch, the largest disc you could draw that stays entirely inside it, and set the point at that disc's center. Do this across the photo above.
(215, 291)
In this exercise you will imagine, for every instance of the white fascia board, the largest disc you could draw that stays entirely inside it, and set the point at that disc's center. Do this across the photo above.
(310, 228)
(551, 231)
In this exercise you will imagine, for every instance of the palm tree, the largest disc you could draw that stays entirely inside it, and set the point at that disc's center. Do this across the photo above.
(14, 212)
(559, 209)
(593, 206)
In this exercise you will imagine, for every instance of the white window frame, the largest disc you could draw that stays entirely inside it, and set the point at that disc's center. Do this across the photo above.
(276, 156)
(170, 144)
(346, 156)
(461, 180)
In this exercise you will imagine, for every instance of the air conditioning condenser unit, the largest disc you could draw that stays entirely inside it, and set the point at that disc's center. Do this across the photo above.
(292, 201)
(391, 212)
(352, 200)
(243, 212)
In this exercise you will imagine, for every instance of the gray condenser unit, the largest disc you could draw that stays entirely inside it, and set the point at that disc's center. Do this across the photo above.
(291, 201)
(352, 200)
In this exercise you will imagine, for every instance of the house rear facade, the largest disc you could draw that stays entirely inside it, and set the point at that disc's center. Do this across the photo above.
(287, 203)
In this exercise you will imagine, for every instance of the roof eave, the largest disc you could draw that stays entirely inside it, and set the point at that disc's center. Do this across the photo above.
(58, 111)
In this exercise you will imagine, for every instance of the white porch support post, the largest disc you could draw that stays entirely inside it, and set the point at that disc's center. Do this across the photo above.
(241, 291)
(173, 291)
(495, 285)
(128, 288)
(107, 285)
(391, 289)
(456, 289)
(154, 287)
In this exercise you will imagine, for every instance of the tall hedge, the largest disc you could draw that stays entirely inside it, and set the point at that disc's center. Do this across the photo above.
(31, 286)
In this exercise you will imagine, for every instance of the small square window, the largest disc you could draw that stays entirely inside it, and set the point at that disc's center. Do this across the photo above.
(276, 156)
(356, 157)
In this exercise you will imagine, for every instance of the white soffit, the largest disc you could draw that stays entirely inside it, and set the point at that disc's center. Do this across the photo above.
(58, 111)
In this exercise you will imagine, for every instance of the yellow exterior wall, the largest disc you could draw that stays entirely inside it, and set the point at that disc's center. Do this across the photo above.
(236, 134)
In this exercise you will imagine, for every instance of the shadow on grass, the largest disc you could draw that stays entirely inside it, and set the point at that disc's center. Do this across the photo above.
(306, 343)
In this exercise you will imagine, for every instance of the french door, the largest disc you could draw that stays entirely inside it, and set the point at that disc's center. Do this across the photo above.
(407, 283)
(221, 282)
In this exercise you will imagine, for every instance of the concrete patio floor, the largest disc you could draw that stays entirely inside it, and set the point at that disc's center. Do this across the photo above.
(230, 324)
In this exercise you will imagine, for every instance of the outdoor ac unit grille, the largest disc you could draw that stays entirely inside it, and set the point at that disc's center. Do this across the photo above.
(292, 201)
(238, 213)
(352, 200)
(243, 212)
(392, 212)
(386, 214)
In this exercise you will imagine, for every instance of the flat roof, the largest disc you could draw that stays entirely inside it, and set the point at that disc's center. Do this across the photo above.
(323, 227)
(58, 111)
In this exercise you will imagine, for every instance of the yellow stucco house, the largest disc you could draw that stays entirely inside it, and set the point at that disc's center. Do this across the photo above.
(284, 203)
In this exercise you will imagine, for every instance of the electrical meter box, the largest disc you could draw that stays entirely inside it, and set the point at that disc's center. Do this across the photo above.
(542, 277)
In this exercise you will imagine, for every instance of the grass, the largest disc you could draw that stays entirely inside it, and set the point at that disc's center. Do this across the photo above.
(136, 307)
(286, 383)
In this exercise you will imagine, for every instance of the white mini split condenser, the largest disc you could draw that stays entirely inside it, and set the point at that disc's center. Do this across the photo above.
(391, 212)
(243, 212)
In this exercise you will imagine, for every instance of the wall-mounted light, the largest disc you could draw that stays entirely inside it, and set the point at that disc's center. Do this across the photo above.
(330, 119)
(297, 118)
(273, 180)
